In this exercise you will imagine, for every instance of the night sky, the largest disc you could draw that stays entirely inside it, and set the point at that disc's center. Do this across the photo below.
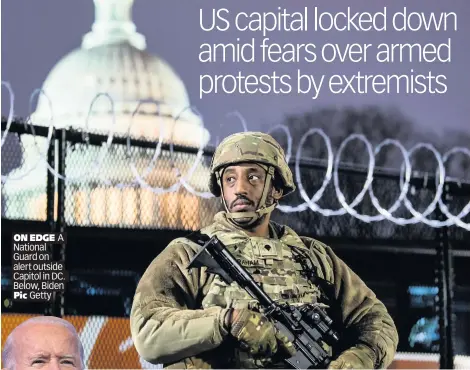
(36, 34)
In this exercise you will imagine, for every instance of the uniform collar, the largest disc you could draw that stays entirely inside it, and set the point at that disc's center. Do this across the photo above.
(277, 231)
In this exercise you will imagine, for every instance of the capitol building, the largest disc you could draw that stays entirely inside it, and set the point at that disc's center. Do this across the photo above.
(112, 84)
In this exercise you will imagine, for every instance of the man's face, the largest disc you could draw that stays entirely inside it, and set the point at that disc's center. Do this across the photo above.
(243, 186)
(46, 346)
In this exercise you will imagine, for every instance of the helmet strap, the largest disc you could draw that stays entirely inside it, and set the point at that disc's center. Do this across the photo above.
(260, 212)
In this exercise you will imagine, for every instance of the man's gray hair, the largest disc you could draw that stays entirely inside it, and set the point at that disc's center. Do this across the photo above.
(7, 354)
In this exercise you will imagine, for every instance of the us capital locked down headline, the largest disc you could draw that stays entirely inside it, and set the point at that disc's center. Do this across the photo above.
(36, 274)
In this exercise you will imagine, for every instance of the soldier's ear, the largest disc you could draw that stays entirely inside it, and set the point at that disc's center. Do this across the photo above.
(277, 193)
(277, 188)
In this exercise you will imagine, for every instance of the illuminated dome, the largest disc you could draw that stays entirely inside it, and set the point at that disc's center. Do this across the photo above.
(112, 61)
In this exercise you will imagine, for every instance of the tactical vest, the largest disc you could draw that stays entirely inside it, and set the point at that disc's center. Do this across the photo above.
(272, 263)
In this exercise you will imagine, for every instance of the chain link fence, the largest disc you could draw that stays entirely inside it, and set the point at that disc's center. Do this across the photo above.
(126, 187)
(125, 192)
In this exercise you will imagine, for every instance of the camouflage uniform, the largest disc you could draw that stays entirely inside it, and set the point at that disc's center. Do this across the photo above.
(177, 316)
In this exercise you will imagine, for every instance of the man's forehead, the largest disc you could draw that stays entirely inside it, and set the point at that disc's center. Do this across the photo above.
(41, 327)
(50, 334)
(244, 166)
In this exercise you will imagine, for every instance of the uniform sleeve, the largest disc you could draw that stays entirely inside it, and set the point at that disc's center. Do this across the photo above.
(368, 324)
(166, 324)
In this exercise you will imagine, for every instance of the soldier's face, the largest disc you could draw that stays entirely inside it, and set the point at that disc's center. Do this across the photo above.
(243, 186)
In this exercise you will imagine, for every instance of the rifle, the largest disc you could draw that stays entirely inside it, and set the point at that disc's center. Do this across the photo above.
(305, 326)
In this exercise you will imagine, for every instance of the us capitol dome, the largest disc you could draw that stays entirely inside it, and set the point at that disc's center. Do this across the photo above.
(112, 84)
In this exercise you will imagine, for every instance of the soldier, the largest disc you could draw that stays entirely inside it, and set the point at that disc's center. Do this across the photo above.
(193, 319)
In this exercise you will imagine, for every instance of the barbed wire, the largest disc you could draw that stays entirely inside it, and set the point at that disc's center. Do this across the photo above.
(332, 167)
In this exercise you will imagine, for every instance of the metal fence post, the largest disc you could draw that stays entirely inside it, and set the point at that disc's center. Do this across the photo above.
(50, 190)
(59, 255)
(445, 281)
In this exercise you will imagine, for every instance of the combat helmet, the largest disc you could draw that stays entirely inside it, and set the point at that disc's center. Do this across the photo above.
(254, 147)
